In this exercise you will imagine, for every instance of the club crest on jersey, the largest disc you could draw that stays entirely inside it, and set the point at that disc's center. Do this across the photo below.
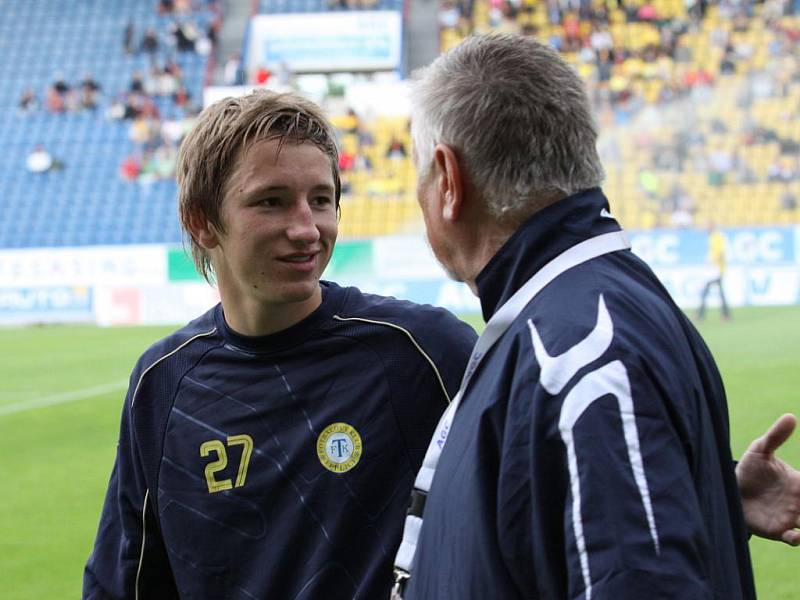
(339, 447)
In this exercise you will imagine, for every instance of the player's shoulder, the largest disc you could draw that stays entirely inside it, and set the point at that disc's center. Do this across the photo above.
(190, 339)
(615, 300)
(422, 320)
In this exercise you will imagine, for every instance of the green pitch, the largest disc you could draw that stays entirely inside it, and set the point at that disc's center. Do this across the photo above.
(62, 390)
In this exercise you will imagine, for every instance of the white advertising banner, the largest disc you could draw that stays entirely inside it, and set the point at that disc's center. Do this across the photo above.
(166, 304)
(91, 265)
(406, 257)
(744, 286)
(326, 42)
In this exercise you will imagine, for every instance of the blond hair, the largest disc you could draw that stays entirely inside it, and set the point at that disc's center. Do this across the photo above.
(219, 137)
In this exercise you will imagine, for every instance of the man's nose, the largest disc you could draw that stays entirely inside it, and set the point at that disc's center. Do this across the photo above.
(302, 227)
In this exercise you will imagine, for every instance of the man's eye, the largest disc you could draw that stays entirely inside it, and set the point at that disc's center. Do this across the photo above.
(322, 200)
(270, 202)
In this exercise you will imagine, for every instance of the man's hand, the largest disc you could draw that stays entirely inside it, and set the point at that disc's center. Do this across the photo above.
(770, 489)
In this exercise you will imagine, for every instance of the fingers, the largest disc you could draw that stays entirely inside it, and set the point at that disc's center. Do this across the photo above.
(775, 436)
(791, 537)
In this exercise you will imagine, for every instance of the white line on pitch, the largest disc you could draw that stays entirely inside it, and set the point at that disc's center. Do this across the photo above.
(90, 392)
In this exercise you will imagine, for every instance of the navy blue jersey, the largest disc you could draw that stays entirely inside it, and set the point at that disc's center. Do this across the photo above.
(590, 456)
(276, 467)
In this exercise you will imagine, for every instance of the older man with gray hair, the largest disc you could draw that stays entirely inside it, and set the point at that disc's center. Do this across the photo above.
(587, 452)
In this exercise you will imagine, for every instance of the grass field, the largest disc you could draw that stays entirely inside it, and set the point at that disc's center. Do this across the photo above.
(62, 390)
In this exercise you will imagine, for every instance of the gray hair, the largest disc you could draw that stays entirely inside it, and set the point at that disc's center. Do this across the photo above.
(518, 116)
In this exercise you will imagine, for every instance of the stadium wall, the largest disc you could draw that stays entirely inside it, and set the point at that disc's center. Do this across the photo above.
(157, 284)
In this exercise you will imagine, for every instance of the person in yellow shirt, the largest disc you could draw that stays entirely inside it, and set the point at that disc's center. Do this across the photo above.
(717, 258)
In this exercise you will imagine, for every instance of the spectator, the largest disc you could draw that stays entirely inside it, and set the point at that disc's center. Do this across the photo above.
(147, 174)
(232, 71)
(137, 84)
(116, 110)
(127, 38)
(681, 218)
(649, 183)
(212, 31)
(262, 75)
(727, 65)
(73, 101)
(449, 15)
(28, 101)
(88, 93)
(604, 65)
(181, 96)
(166, 83)
(149, 43)
(350, 123)
(164, 160)
(365, 138)
(203, 46)
(601, 40)
(90, 83)
(87, 99)
(143, 131)
(183, 36)
(347, 160)
(781, 170)
(60, 85)
(284, 74)
(40, 160)
(130, 168)
(720, 163)
(742, 171)
(788, 201)
(53, 101)
(173, 68)
(396, 149)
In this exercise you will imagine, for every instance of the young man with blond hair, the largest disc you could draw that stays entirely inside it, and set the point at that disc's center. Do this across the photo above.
(268, 448)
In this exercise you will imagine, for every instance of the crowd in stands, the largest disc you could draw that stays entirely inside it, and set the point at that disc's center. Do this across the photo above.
(698, 104)
(61, 97)
(352, 4)
(678, 88)
(698, 101)
(154, 139)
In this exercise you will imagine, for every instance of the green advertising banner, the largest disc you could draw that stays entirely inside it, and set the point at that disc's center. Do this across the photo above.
(180, 266)
(351, 258)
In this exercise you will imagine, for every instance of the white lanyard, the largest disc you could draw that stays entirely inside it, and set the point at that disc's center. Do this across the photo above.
(495, 328)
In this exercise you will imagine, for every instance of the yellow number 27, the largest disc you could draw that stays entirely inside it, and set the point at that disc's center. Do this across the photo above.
(216, 446)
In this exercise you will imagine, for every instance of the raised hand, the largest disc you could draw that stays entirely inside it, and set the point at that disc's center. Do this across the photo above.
(770, 488)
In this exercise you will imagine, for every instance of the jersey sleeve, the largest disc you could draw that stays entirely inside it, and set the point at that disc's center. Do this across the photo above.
(631, 519)
(449, 342)
(128, 559)
(426, 373)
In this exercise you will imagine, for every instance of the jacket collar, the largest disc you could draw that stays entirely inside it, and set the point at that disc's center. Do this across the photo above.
(540, 239)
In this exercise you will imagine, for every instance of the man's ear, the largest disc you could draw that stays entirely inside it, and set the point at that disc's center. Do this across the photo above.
(203, 231)
(450, 182)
